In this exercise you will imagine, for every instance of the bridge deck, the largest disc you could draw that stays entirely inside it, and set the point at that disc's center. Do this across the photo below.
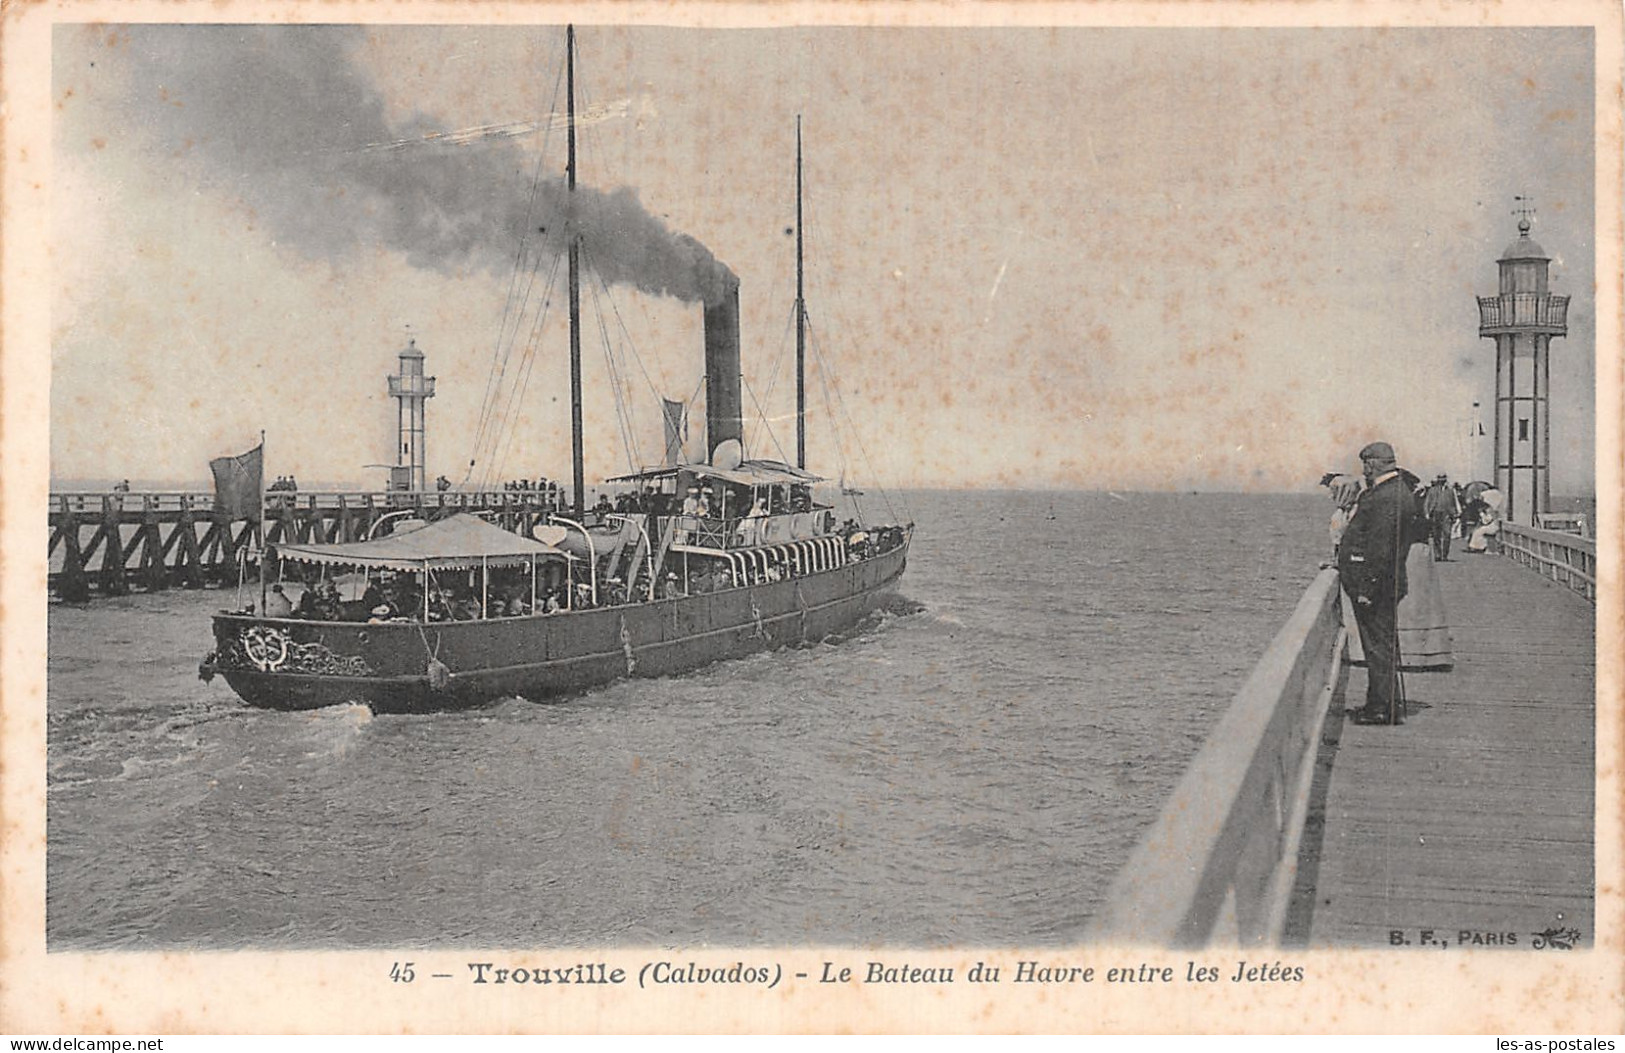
(1477, 813)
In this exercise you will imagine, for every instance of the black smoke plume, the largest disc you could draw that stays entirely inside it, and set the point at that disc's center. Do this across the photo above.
(284, 118)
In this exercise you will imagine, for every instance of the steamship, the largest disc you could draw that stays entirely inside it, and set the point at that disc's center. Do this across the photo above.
(714, 559)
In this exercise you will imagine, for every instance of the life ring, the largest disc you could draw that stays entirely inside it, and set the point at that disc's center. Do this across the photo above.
(266, 648)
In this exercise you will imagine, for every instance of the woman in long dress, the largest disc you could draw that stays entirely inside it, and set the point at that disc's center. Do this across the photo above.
(1424, 625)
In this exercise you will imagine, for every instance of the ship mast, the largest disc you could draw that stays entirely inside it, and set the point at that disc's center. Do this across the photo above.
(801, 322)
(576, 459)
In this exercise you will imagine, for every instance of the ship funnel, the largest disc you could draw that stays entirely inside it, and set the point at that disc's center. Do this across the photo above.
(722, 402)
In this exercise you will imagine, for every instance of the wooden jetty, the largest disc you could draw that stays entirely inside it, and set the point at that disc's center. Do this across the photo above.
(157, 540)
(1472, 823)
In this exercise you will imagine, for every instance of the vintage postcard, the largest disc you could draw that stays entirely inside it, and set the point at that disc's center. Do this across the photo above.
(542, 517)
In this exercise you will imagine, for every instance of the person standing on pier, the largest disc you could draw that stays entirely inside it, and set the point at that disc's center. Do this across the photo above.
(1442, 510)
(1371, 564)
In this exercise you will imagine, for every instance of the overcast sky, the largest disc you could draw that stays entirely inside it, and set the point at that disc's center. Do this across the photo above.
(1147, 259)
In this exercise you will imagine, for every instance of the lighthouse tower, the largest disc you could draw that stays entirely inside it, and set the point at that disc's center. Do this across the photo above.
(1522, 319)
(411, 389)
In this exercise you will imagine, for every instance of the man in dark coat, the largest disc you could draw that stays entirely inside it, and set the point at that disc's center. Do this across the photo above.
(1371, 564)
(1442, 510)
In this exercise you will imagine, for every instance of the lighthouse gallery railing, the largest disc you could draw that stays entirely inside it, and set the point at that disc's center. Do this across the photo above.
(1515, 310)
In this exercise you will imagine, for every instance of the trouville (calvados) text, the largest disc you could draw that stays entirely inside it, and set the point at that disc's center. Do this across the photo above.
(770, 974)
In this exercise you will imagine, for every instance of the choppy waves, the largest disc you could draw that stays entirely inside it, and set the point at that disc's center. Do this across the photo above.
(969, 765)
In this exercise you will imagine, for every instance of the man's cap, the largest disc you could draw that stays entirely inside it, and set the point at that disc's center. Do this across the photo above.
(1441, 478)
(1377, 451)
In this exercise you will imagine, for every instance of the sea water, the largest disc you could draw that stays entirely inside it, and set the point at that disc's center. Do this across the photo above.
(968, 767)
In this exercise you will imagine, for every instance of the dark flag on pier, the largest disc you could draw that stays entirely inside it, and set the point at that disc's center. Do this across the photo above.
(237, 483)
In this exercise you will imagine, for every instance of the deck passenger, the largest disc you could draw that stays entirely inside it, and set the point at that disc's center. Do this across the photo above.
(684, 532)
(329, 608)
(1486, 525)
(277, 604)
(1442, 511)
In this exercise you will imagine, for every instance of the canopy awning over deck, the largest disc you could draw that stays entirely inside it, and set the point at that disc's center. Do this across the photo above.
(458, 542)
(749, 473)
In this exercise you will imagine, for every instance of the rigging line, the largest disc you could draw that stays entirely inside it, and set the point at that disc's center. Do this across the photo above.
(615, 379)
(485, 440)
(693, 397)
(530, 210)
(492, 448)
(840, 445)
(586, 144)
(773, 378)
(829, 408)
(527, 364)
(762, 415)
(525, 303)
(856, 437)
(491, 376)
(773, 288)
(627, 336)
(825, 374)
(688, 408)
(502, 439)
(623, 419)
(494, 377)
(632, 448)
(826, 381)
(596, 154)
(845, 319)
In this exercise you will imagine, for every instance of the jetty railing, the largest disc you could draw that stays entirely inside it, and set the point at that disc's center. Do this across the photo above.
(1219, 865)
(1565, 558)
(155, 540)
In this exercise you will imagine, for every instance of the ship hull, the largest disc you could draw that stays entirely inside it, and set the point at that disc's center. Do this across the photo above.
(410, 667)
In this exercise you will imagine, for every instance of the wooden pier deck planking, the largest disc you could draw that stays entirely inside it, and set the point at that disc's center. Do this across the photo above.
(1476, 816)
